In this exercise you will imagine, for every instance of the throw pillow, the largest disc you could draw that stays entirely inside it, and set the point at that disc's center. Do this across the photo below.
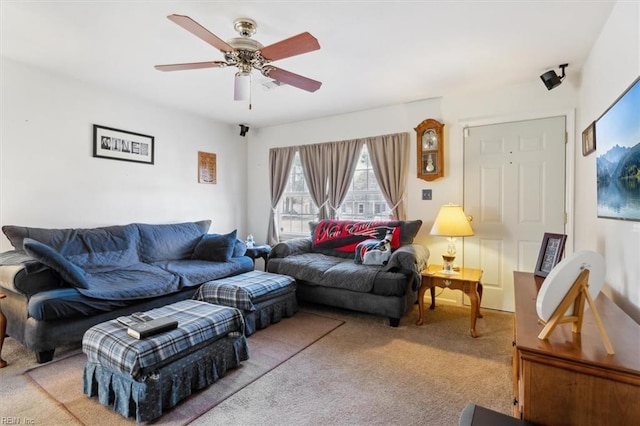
(374, 252)
(67, 270)
(216, 248)
(239, 249)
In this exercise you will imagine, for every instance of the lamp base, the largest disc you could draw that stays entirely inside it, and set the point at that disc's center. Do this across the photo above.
(447, 265)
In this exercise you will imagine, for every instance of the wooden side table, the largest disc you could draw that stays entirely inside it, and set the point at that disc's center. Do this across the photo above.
(466, 280)
(3, 331)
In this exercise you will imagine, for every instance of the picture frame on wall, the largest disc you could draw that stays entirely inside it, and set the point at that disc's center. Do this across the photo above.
(116, 144)
(550, 253)
(589, 139)
(207, 165)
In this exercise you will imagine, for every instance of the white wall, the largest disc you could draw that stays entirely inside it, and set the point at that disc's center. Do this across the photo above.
(48, 177)
(613, 64)
(394, 119)
(527, 101)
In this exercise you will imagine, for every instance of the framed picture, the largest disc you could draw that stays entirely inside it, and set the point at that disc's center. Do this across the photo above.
(589, 139)
(207, 167)
(122, 145)
(618, 134)
(550, 253)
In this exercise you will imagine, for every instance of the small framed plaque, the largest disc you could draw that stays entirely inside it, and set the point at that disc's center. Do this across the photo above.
(206, 167)
(550, 253)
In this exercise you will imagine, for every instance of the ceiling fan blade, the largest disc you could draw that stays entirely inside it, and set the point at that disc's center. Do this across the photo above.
(296, 45)
(199, 31)
(191, 66)
(292, 79)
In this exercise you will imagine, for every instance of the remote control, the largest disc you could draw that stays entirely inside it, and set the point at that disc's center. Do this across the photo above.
(141, 316)
(128, 321)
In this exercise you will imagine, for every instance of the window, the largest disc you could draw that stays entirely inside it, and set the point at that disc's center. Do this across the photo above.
(296, 206)
(364, 201)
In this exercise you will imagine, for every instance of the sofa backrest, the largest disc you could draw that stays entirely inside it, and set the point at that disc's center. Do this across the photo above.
(340, 237)
(119, 245)
(171, 241)
(92, 249)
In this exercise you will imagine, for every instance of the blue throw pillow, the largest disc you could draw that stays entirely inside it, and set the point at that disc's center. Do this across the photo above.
(68, 271)
(216, 248)
(239, 249)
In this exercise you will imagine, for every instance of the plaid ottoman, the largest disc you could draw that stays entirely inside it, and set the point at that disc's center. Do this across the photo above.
(142, 378)
(263, 297)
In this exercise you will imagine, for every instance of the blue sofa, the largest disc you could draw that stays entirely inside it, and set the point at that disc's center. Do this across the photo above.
(60, 282)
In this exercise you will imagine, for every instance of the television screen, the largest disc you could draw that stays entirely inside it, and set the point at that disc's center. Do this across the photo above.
(618, 157)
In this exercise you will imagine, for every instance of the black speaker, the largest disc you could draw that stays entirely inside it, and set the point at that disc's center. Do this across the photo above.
(243, 129)
(550, 79)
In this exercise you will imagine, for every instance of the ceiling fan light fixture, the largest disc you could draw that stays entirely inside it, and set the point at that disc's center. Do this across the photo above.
(242, 86)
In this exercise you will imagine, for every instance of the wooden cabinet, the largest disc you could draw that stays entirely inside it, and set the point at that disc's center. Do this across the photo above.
(570, 379)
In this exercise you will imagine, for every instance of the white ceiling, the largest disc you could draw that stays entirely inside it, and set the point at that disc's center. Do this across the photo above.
(373, 53)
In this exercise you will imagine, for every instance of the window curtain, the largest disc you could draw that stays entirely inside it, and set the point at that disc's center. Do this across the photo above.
(280, 160)
(390, 162)
(342, 165)
(315, 166)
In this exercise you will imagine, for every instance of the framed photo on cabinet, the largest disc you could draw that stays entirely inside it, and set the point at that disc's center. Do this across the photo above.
(550, 253)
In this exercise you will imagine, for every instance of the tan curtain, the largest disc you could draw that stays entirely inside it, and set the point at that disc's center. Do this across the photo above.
(280, 160)
(342, 165)
(390, 161)
(315, 159)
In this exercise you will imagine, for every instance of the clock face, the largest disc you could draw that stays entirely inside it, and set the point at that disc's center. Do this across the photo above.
(429, 140)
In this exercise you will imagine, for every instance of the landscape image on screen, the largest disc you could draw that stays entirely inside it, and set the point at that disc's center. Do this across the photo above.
(618, 157)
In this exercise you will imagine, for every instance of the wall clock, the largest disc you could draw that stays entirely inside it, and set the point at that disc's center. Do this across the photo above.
(430, 143)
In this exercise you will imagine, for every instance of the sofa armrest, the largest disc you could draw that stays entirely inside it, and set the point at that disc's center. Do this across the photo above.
(291, 247)
(412, 257)
(21, 273)
(409, 259)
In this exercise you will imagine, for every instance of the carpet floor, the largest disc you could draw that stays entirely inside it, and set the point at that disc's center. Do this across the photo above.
(360, 372)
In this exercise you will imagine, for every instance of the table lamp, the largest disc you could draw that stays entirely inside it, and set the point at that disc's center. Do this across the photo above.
(451, 222)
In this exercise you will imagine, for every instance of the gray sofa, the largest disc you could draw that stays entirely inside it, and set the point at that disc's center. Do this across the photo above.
(60, 282)
(326, 268)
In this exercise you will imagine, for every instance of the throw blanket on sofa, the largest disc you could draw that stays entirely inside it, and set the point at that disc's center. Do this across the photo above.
(344, 235)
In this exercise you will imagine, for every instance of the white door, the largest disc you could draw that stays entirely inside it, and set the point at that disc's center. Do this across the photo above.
(514, 188)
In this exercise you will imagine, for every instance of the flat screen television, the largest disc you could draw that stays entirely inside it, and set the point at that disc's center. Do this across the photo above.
(617, 136)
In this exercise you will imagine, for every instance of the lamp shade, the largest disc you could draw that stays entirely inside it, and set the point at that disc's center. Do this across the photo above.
(242, 86)
(451, 222)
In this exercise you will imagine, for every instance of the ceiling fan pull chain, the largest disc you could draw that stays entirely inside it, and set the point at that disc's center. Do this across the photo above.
(250, 86)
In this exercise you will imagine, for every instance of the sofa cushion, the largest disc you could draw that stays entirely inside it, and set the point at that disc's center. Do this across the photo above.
(215, 247)
(170, 241)
(340, 237)
(69, 272)
(139, 281)
(331, 271)
(195, 272)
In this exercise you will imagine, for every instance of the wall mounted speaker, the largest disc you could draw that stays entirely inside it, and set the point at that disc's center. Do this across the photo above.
(551, 79)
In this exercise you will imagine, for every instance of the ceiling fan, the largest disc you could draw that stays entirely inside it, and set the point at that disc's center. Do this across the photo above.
(247, 54)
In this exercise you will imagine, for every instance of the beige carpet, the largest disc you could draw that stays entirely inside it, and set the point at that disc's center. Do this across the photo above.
(362, 373)
(62, 379)
(367, 373)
